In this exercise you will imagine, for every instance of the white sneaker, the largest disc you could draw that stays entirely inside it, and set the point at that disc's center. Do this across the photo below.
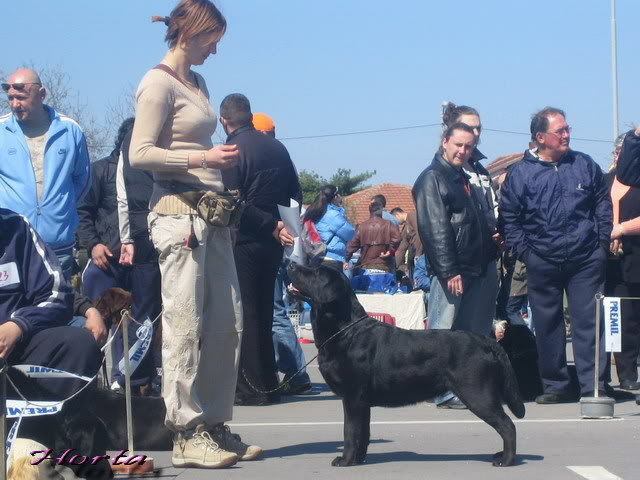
(233, 443)
(200, 451)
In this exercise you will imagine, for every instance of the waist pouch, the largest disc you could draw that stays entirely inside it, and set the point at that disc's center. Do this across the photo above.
(217, 209)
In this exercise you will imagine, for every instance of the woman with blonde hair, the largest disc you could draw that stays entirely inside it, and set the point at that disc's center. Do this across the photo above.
(202, 319)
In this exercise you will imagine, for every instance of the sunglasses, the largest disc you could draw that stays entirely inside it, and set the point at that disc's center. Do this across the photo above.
(17, 86)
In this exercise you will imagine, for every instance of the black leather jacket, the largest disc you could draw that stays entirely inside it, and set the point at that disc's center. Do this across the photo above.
(451, 224)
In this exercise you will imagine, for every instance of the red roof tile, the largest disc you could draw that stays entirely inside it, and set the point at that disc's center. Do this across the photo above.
(397, 195)
(500, 164)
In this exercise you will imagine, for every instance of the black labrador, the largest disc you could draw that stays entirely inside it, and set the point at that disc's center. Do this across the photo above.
(368, 363)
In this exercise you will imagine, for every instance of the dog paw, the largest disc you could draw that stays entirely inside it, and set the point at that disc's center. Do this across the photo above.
(499, 460)
(341, 462)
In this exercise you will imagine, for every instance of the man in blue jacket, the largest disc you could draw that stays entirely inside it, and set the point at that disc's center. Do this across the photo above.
(35, 304)
(557, 218)
(44, 164)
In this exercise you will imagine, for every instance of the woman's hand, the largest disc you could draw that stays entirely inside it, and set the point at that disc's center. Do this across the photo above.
(617, 231)
(222, 156)
(614, 247)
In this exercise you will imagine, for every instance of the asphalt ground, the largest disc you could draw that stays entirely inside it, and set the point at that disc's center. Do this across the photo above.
(302, 434)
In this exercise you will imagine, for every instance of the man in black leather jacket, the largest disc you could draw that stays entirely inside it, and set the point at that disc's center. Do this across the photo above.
(457, 241)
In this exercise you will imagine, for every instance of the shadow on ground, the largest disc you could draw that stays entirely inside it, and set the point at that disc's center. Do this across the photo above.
(331, 448)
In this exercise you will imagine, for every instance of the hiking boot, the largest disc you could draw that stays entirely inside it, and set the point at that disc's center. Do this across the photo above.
(232, 442)
(200, 451)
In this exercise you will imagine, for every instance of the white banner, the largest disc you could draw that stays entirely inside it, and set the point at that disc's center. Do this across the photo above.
(612, 324)
(35, 371)
(15, 408)
(139, 349)
(10, 438)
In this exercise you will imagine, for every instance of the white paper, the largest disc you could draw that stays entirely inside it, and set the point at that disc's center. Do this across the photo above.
(291, 219)
(612, 324)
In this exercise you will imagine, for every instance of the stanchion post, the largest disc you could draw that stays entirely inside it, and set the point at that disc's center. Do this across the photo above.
(3, 419)
(596, 367)
(127, 380)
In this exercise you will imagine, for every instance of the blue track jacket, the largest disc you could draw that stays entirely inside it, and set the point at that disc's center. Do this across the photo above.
(33, 291)
(66, 177)
(561, 211)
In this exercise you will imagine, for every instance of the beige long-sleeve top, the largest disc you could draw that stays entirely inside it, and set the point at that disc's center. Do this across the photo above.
(171, 122)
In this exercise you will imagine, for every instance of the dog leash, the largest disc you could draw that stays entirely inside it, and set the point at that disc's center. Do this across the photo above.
(285, 383)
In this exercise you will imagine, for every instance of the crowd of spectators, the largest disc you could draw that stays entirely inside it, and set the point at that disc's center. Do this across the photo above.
(210, 290)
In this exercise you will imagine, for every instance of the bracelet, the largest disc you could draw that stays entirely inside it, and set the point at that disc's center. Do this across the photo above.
(203, 161)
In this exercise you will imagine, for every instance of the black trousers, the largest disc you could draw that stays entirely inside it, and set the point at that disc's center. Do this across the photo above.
(70, 349)
(615, 286)
(547, 283)
(257, 266)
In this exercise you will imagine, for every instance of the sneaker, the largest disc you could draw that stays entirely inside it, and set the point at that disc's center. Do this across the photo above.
(233, 443)
(200, 451)
(454, 403)
(629, 385)
(299, 389)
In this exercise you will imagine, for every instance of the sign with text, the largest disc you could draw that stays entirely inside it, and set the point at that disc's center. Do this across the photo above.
(612, 324)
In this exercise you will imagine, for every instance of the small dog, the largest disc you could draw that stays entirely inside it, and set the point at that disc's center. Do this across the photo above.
(519, 343)
(369, 363)
(111, 304)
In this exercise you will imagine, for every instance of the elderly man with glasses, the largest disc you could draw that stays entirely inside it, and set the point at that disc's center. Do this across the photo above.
(557, 218)
(44, 164)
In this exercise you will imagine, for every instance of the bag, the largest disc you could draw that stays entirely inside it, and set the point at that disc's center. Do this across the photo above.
(217, 209)
(312, 244)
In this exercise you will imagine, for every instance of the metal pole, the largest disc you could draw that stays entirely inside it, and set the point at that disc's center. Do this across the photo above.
(3, 415)
(596, 366)
(127, 380)
(614, 68)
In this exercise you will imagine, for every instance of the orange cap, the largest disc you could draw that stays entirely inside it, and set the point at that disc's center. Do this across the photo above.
(263, 122)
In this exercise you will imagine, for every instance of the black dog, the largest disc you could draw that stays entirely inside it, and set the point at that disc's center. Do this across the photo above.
(519, 343)
(149, 430)
(369, 363)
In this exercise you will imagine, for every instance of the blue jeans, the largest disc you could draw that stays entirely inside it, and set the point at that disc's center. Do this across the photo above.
(65, 258)
(514, 308)
(289, 356)
(472, 311)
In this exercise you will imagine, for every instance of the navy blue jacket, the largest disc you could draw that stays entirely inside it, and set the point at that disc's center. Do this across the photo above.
(33, 291)
(559, 210)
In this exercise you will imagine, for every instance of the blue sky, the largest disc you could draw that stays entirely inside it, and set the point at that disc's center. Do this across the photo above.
(353, 65)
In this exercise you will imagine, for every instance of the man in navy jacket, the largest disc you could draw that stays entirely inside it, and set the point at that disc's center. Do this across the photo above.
(35, 303)
(557, 219)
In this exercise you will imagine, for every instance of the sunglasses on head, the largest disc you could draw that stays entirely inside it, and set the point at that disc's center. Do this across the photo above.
(17, 86)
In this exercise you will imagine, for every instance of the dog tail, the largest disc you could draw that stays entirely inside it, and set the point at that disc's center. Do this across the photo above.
(510, 389)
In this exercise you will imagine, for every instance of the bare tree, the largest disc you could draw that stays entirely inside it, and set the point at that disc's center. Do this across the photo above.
(68, 102)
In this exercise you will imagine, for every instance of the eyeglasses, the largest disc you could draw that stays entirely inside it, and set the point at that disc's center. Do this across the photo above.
(17, 86)
(561, 131)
